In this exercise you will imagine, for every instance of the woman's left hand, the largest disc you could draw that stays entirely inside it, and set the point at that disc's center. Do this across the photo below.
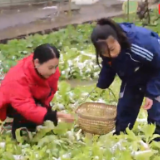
(148, 103)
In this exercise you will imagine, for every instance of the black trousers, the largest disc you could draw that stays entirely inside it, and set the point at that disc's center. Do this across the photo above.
(128, 108)
(19, 121)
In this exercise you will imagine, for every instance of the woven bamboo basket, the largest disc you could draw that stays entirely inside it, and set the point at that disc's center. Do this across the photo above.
(96, 118)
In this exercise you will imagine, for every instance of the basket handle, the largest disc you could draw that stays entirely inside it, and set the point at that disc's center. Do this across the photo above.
(113, 94)
(85, 98)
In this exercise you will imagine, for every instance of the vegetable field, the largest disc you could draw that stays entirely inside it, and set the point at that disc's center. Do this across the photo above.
(67, 141)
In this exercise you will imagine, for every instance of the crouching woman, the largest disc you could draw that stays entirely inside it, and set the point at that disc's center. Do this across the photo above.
(29, 87)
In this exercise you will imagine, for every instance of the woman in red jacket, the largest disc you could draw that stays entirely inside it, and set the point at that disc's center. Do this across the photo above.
(29, 87)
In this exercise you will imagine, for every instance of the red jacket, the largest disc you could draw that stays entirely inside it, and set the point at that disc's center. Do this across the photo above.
(21, 85)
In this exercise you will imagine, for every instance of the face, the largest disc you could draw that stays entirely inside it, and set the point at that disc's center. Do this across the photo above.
(47, 68)
(113, 48)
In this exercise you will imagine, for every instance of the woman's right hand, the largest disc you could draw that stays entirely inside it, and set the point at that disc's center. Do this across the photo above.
(65, 117)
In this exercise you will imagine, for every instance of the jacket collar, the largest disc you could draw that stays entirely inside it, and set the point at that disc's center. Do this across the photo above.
(31, 71)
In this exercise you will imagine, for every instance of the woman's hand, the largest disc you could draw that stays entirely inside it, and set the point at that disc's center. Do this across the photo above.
(65, 117)
(148, 103)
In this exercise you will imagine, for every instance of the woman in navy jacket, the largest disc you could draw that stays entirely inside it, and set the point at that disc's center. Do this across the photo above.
(133, 53)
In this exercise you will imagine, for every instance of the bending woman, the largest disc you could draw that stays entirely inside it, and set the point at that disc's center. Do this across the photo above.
(133, 53)
(29, 87)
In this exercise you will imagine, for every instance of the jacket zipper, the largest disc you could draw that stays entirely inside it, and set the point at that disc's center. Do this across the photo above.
(50, 93)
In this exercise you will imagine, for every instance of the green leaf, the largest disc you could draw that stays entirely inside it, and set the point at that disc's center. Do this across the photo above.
(144, 155)
(19, 138)
(131, 135)
(62, 128)
(149, 130)
(7, 156)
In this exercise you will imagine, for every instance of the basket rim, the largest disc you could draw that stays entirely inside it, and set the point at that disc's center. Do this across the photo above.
(97, 119)
(95, 103)
(94, 118)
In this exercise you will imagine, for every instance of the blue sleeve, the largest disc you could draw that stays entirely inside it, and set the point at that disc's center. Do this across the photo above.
(147, 50)
(106, 76)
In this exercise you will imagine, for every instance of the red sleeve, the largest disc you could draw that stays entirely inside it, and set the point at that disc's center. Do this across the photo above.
(22, 101)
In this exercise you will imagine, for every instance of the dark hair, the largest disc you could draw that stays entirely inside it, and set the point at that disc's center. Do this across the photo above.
(105, 28)
(45, 52)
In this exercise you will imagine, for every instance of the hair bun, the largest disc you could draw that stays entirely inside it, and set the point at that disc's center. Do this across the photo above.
(103, 21)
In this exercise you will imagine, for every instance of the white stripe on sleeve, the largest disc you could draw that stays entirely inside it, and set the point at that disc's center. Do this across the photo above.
(142, 52)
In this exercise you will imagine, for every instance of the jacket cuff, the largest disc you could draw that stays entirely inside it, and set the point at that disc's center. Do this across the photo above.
(151, 96)
(99, 85)
(51, 116)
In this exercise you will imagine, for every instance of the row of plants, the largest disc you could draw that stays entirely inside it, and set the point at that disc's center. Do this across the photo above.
(74, 44)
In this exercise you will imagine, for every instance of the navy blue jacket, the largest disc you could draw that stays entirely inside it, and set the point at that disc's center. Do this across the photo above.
(138, 66)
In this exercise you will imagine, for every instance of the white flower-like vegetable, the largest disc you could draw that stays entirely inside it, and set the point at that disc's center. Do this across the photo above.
(81, 65)
(2, 144)
(96, 157)
(56, 158)
(68, 69)
(18, 157)
(137, 153)
(144, 120)
(63, 72)
(70, 63)
(60, 106)
(67, 155)
(13, 57)
(96, 75)
(101, 100)
(71, 135)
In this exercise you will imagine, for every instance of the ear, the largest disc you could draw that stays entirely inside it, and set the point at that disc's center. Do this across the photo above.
(36, 63)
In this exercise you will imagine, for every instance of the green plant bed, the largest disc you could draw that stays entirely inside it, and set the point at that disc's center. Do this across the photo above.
(67, 142)
(74, 44)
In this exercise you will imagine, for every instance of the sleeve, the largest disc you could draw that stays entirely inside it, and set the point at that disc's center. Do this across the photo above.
(106, 76)
(149, 53)
(23, 102)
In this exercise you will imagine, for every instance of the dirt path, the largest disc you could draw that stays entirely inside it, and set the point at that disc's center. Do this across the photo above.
(14, 24)
(25, 22)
